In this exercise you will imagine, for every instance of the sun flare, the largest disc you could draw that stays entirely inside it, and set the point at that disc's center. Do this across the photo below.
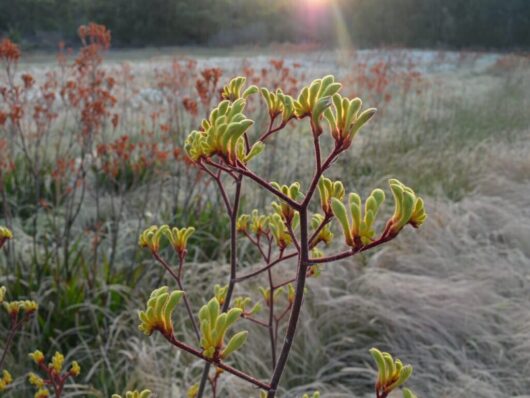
(317, 3)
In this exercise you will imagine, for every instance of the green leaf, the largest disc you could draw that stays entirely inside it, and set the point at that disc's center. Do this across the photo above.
(339, 210)
(235, 343)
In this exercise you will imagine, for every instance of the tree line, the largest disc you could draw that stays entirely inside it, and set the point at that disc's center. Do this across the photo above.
(481, 24)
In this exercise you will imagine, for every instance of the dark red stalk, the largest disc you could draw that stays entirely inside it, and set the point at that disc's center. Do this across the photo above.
(297, 306)
(221, 365)
(233, 213)
(267, 267)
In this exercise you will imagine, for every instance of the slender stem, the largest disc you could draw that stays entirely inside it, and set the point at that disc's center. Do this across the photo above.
(223, 366)
(352, 251)
(12, 332)
(220, 167)
(256, 321)
(297, 305)
(233, 245)
(265, 184)
(271, 319)
(232, 212)
(256, 243)
(271, 130)
(285, 283)
(180, 286)
(267, 267)
(217, 179)
(318, 156)
(320, 169)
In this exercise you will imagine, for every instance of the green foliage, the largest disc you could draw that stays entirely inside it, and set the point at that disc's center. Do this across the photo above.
(177, 237)
(345, 121)
(54, 374)
(222, 133)
(409, 209)
(329, 189)
(5, 380)
(134, 394)
(159, 311)
(278, 103)
(315, 99)
(233, 90)
(5, 235)
(391, 373)
(358, 227)
(214, 326)
(283, 209)
(25, 186)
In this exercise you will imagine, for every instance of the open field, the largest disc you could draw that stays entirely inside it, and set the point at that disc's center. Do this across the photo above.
(452, 298)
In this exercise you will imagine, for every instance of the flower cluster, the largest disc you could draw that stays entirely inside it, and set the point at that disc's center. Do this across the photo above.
(9, 52)
(358, 226)
(15, 308)
(55, 374)
(5, 235)
(222, 135)
(177, 237)
(159, 311)
(391, 374)
(5, 380)
(358, 229)
(134, 394)
(214, 326)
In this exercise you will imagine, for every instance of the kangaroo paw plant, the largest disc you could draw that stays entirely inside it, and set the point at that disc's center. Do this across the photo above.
(296, 232)
(134, 394)
(391, 374)
(55, 374)
(19, 312)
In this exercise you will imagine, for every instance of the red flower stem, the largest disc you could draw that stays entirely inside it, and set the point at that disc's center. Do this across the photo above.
(219, 183)
(293, 236)
(285, 283)
(271, 319)
(256, 321)
(297, 305)
(246, 172)
(218, 364)
(318, 173)
(256, 243)
(15, 325)
(232, 212)
(271, 131)
(267, 267)
(318, 156)
(350, 252)
(168, 268)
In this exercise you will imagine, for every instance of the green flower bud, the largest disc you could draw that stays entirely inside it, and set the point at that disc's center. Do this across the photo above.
(159, 311)
(391, 373)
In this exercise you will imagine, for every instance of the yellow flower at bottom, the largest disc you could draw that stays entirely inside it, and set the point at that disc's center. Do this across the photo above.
(35, 380)
(134, 394)
(157, 315)
(193, 391)
(42, 393)
(6, 380)
(75, 369)
(57, 362)
(37, 356)
(2, 293)
(5, 235)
